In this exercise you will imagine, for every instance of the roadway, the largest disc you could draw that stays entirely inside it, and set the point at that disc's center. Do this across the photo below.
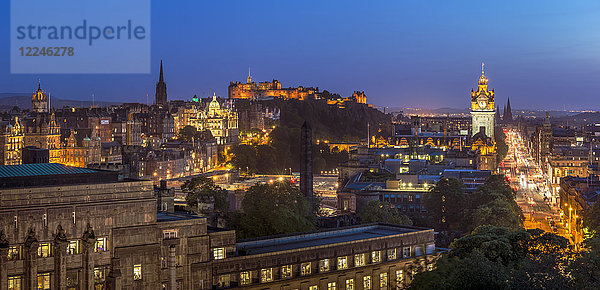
(533, 195)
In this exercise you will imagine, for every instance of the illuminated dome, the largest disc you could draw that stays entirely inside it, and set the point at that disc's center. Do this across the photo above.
(214, 104)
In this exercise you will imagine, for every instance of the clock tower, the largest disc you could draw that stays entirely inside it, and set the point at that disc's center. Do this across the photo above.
(482, 108)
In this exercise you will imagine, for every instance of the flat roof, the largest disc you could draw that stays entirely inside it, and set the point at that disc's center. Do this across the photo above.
(40, 169)
(175, 216)
(298, 241)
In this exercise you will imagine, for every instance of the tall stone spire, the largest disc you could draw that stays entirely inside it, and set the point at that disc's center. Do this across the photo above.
(160, 79)
(161, 89)
(306, 172)
(508, 117)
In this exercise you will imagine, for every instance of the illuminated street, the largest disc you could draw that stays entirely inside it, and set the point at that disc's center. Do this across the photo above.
(533, 195)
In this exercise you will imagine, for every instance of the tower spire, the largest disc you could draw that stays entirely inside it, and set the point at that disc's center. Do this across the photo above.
(249, 79)
(39, 84)
(482, 65)
(160, 78)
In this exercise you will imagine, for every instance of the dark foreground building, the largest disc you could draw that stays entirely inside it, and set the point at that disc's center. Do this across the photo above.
(64, 227)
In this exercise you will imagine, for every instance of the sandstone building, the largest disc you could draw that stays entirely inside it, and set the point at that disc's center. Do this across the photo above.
(65, 227)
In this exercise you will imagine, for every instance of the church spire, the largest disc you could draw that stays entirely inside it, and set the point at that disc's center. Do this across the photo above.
(161, 89)
(249, 79)
(160, 78)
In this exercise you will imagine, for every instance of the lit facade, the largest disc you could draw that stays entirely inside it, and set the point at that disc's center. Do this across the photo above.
(11, 142)
(482, 108)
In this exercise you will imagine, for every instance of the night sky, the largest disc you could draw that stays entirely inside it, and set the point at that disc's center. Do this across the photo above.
(401, 53)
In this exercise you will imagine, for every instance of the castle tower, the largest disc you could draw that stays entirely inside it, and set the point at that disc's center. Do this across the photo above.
(161, 89)
(482, 107)
(39, 101)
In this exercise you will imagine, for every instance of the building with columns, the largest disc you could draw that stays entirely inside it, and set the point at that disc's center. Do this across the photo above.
(65, 227)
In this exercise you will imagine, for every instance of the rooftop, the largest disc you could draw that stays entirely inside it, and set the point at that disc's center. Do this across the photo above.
(175, 216)
(51, 174)
(38, 169)
(337, 236)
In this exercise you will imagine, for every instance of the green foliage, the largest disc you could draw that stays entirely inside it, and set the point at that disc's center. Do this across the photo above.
(491, 204)
(272, 209)
(199, 187)
(189, 133)
(501, 258)
(447, 196)
(591, 218)
(586, 268)
(382, 212)
(501, 146)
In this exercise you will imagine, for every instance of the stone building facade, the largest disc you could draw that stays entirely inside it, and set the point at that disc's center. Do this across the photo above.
(81, 228)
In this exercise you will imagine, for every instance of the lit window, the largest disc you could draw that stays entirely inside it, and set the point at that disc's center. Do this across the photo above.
(73, 247)
(406, 252)
(376, 256)
(359, 260)
(245, 278)
(44, 250)
(349, 284)
(342, 263)
(305, 268)
(219, 253)
(223, 281)
(383, 280)
(163, 262)
(43, 281)
(169, 234)
(399, 277)
(367, 282)
(14, 253)
(286, 271)
(137, 272)
(324, 265)
(98, 275)
(266, 275)
(314, 287)
(15, 282)
(100, 245)
(391, 254)
(331, 286)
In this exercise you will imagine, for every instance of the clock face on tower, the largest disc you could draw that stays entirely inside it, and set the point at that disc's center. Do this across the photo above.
(482, 104)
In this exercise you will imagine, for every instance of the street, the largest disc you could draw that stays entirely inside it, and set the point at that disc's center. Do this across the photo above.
(538, 204)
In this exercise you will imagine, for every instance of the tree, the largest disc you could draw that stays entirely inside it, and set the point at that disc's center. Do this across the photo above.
(189, 134)
(501, 146)
(446, 204)
(591, 218)
(271, 209)
(199, 187)
(586, 268)
(382, 212)
(501, 258)
(498, 212)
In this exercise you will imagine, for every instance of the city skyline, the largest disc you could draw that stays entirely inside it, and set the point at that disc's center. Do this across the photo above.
(550, 58)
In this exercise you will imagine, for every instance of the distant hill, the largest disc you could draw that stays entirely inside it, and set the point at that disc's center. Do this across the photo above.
(581, 118)
(23, 101)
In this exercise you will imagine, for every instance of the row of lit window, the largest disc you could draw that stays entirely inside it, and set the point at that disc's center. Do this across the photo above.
(266, 275)
(45, 249)
(44, 280)
(245, 279)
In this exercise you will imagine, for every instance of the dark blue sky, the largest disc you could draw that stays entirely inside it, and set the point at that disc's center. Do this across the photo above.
(543, 54)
